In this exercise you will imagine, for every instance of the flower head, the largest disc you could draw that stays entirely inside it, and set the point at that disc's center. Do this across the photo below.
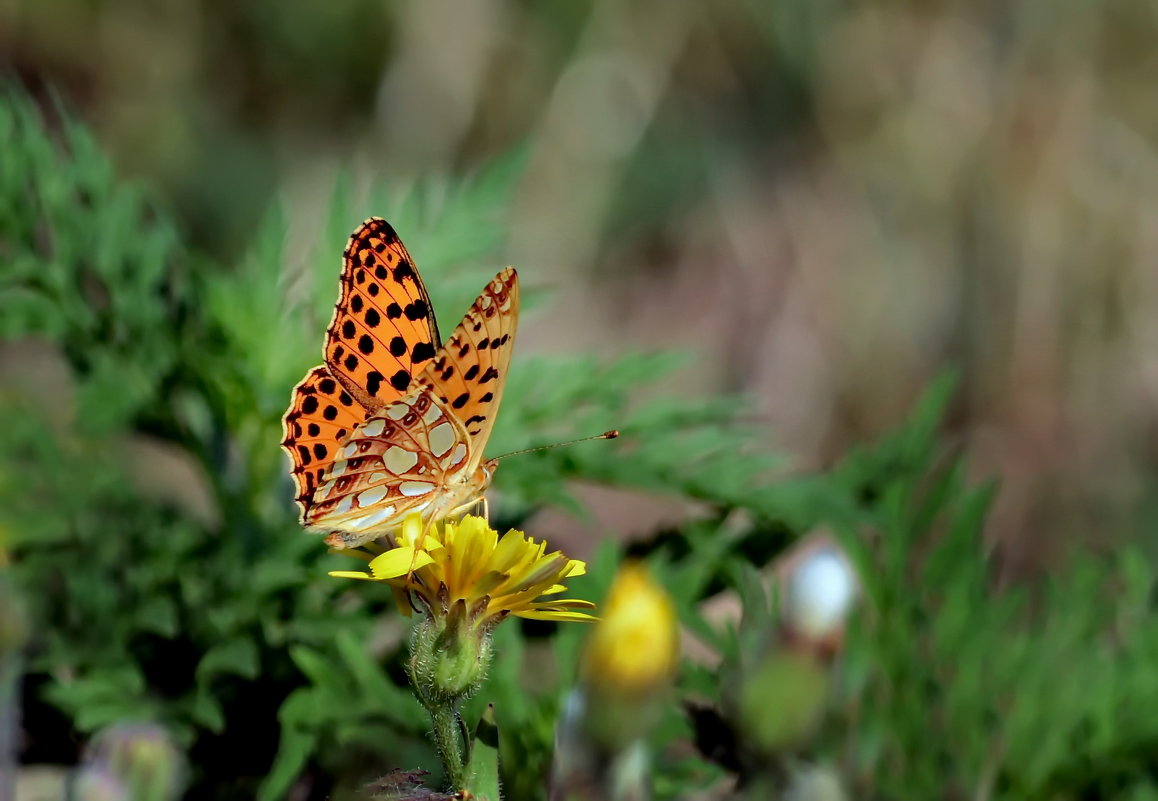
(466, 568)
(635, 648)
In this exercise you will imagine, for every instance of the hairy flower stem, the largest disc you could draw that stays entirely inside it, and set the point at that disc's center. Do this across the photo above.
(448, 737)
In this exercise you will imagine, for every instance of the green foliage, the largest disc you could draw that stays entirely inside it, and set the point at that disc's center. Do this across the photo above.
(949, 685)
(971, 689)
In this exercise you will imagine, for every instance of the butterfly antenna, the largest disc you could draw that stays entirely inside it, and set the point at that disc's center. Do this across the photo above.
(612, 434)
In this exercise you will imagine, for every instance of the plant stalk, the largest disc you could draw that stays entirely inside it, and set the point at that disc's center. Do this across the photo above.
(448, 739)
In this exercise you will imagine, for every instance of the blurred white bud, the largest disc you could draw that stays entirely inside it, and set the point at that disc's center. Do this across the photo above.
(819, 590)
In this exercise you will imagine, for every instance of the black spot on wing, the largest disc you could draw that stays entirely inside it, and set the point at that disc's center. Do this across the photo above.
(416, 311)
(374, 382)
(403, 271)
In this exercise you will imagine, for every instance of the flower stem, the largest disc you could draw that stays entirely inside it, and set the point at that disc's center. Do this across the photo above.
(448, 739)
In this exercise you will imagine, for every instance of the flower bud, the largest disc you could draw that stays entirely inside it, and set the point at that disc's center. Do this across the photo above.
(818, 590)
(449, 657)
(142, 757)
(634, 649)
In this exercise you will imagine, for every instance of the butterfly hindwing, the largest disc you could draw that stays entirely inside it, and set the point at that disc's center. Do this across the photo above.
(321, 416)
(383, 332)
(470, 371)
(400, 461)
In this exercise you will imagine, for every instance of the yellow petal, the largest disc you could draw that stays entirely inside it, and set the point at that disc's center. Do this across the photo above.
(576, 568)
(399, 562)
(562, 616)
(354, 574)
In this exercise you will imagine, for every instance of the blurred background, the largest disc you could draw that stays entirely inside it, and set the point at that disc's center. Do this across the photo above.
(825, 204)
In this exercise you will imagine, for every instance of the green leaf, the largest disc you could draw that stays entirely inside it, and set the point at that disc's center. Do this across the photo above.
(206, 710)
(293, 751)
(236, 656)
(484, 759)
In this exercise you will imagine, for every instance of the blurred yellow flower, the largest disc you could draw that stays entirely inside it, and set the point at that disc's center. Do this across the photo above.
(635, 647)
(468, 565)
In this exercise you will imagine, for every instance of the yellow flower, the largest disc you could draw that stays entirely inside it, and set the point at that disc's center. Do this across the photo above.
(635, 648)
(466, 565)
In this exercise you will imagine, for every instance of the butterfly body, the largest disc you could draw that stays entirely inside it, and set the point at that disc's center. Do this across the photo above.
(395, 422)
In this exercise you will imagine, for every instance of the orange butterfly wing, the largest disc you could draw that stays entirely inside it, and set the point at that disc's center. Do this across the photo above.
(423, 452)
(382, 333)
(470, 371)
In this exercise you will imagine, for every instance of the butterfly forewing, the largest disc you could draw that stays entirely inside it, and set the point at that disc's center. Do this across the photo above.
(470, 371)
(383, 332)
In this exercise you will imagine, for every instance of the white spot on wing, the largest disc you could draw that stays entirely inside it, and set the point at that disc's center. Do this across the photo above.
(344, 505)
(373, 428)
(368, 521)
(456, 456)
(398, 411)
(371, 496)
(441, 439)
(350, 449)
(412, 488)
(379, 516)
(433, 414)
(338, 467)
(399, 461)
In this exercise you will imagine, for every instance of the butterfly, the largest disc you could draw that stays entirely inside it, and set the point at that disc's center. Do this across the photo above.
(394, 421)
